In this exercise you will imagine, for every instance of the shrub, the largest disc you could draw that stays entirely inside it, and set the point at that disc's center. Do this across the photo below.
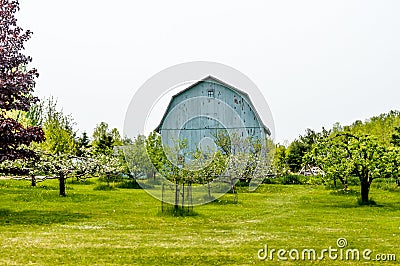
(104, 188)
(131, 184)
(388, 184)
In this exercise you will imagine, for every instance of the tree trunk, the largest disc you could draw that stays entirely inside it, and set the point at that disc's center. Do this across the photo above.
(33, 181)
(233, 191)
(189, 201)
(365, 191)
(183, 196)
(209, 190)
(61, 178)
(176, 205)
(345, 185)
(162, 197)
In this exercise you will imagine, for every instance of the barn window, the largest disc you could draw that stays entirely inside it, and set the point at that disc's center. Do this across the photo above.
(210, 93)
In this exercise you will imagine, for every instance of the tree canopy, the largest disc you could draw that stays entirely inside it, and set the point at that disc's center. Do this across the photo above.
(16, 84)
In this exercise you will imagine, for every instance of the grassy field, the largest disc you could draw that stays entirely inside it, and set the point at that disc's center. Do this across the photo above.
(125, 227)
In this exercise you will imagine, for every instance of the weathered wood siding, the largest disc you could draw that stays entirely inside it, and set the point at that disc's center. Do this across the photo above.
(199, 111)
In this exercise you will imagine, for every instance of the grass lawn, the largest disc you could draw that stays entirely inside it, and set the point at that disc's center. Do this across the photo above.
(124, 226)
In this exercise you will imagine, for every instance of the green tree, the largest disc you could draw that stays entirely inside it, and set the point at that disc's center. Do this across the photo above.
(298, 148)
(174, 172)
(105, 139)
(280, 163)
(83, 145)
(382, 127)
(58, 128)
(396, 137)
(362, 156)
(136, 159)
(294, 155)
(209, 169)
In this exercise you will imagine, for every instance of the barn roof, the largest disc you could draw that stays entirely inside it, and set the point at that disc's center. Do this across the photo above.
(210, 78)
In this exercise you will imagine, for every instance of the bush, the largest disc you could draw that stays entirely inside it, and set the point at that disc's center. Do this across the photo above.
(111, 179)
(132, 184)
(388, 184)
(242, 184)
(351, 181)
(311, 180)
(104, 188)
(295, 179)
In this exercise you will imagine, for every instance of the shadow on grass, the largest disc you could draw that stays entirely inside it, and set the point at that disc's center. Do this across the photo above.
(170, 210)
(372, 203)
(36, 217)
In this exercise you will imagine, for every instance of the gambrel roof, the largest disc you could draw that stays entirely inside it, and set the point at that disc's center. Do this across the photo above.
(220, 82)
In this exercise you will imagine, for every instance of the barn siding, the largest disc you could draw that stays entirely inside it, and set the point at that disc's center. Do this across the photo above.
(196, 121)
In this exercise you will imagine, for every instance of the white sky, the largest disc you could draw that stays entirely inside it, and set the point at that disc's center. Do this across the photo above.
(316, 62)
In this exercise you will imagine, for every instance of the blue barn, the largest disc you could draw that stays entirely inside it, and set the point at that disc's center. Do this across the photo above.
(199, 112)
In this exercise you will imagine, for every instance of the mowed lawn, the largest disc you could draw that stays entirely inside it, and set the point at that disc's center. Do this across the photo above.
(124, 226)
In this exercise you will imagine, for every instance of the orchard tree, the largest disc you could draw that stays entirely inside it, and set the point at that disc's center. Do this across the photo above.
(210, 169)
(109, 167)
(172, 172)
(16, 84)
(56, 166)
(135, 158)
(345, 154)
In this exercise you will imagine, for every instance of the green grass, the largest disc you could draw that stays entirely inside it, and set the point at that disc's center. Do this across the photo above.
(124, 226)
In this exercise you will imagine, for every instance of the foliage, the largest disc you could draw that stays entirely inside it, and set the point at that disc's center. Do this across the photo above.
(382, 127)
(245, 159)
(345, 154)
(16, 84)
(135, 158)
(280, 163)
(58, 128)
(109, 167)
(396, 137)
(298, 148)
(105, 139)
(295, 152)
(296, 179)
(83, 145)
